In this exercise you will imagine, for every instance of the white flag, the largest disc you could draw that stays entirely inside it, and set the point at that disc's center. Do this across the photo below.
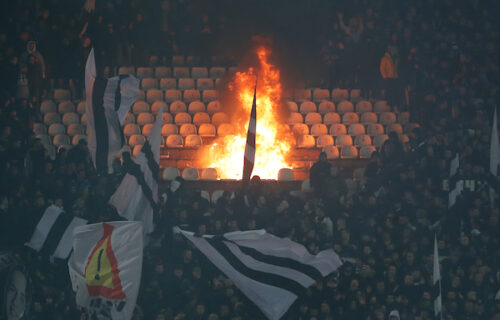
(436, 280)
(105, 268)
(107, 103)
(137, 195)
(272, 272)
(455, 192)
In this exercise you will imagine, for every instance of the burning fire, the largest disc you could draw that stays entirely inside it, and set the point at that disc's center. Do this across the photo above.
(273, 139)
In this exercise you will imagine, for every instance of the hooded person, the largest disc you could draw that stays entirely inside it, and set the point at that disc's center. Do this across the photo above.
(394, 315)
(33, 66)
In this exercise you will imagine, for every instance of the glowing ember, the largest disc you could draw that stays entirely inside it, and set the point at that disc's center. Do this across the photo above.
(273, 139)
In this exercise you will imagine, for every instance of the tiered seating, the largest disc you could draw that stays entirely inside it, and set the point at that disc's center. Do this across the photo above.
(354, 123)
(338, 121)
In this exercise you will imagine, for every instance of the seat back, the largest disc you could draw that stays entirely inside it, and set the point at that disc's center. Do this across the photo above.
(169, 129)
(321, 94)
(295, 117)
(199, 72)
(187, 129)
(219, 118)
(338, 129)
(209, 95)
(313, 117)
(191, 95)
(153, 95)
(300, 129)
(130, 129)
(319, 129)
(163, 72)
(349, 118)
(214, 107)
(193, 141)
(186, 83)
(343, 140)
(325, 140)
(196, 106)
(356, 129)
(168, 84)
(345, 106)
(332, 152)
(145, 118)
(306, 141)
(348, 152)
(207, 130)
(140, 107)
(364, 106)
(201, 117)
(174, 141)
(307, 107)
(326, 106)
(177, 106)
(182, 117)
(204, 84)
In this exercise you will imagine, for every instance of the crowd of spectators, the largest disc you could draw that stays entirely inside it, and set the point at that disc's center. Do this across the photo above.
(445, 54)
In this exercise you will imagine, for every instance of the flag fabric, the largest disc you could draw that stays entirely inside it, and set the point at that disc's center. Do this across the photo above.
(454, 165)
(107, 104)
(455, 193)
(456, 185)
(54, 233)
(494, 153)
(136, 198)
(250, 145)
(105, 268)
(436, 280)
(272, 272)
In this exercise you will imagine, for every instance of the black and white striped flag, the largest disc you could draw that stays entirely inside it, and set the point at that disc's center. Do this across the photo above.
(272, 272)
(456, 186)
(107, 103)
(137, 195)
(250, 146)
(436, 280)
(54, 233)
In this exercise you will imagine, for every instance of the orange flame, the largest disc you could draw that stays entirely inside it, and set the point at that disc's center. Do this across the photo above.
(273, 139)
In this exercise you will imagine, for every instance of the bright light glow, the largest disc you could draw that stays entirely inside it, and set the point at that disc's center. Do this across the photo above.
(273, 139)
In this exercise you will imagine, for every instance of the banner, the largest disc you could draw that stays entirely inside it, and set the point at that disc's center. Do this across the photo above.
(105, 268)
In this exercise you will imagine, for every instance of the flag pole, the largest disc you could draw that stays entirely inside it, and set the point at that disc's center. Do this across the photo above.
(249, 155)
(437, 277)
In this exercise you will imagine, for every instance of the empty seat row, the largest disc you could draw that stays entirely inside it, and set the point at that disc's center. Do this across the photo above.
(171, 141)
(64, 106)
(60, 139)
(342, 107)
(175, 72)
(172, 95)
(335, 95)
(177, 141)
(348, 118)
(176, 107)
(309, 141)
(57, 128)
(178, 118)
(66, 119)
(181, 84)
(354, 129)
(348, 152)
